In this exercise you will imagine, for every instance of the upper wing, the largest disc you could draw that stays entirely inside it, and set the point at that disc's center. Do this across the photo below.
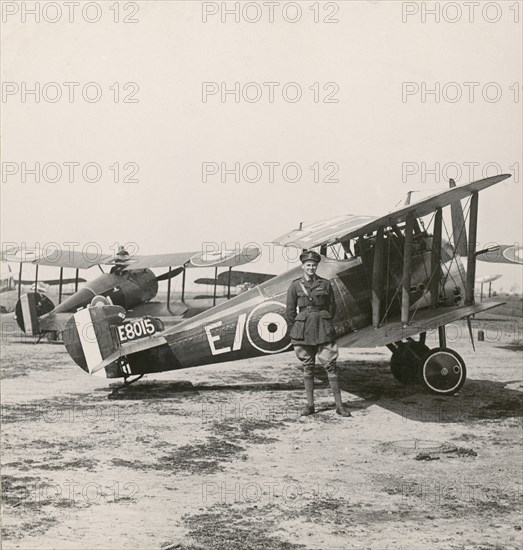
(487, 279)
(505, 254)
(57, 258)
(222, 258)
(327, 231)
(158, 260)
(348, 227)
(54, 282)
(225, 258)
(393, 331)
(86, 259)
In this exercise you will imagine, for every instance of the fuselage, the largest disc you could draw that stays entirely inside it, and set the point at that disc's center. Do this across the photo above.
(254, 323)
(127, 289)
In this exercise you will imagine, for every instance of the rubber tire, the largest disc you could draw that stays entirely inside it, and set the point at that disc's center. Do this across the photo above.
(405, 361)
(430, 386)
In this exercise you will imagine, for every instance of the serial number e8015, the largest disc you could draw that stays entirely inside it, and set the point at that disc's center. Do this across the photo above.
(135, 329)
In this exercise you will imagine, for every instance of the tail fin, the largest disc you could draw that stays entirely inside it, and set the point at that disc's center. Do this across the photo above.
(89, 335)
(29, 309)
(459, 231)
(97, 342)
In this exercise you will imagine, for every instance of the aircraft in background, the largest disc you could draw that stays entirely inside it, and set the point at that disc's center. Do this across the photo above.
(131, 284)
(392, 280)
(11, 288)
(486, 279)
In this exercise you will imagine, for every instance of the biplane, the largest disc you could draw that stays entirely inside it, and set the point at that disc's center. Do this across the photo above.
(130, 284)
(394, 277)
(483, 280)
(11, 288)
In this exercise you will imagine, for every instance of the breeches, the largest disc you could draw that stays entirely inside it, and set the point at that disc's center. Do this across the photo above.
(326, 355)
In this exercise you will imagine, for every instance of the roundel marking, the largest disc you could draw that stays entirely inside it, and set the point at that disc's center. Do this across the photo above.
(514, 254)
(212, 258)
(268, 330)
(272, 327)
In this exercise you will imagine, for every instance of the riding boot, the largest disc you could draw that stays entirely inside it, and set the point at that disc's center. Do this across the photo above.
(309, 391)
(340, 409)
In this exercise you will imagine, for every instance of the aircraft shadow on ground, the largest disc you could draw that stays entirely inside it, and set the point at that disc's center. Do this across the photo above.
(372, 382)
(477, 400)
(167, 389)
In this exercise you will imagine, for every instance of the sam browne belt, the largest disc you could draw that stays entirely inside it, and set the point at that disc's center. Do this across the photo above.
(309, 309)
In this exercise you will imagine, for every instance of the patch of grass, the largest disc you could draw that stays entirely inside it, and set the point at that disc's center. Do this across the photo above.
(245, 431)
(202, 458)
(57, 409)
(38, 526)
(75, 464)
(19, 489)
(224, 526)
(133, 464)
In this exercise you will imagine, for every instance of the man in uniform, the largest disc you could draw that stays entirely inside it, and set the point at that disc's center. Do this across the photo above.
(121, 260)
(310, 310)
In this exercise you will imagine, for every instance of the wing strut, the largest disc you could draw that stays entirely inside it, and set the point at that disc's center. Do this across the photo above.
(76, 280)
(36, 278)
(442, 333)
(407, 264)
(471, 259)
(435, 265)
(229, 284)
(377, 274)
(60, 287)
(169, 291)
(215, 285)
(459, 233)
(183, 283)
(20, 281)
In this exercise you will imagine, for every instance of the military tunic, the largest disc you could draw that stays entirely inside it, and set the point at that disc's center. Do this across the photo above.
(310, 310)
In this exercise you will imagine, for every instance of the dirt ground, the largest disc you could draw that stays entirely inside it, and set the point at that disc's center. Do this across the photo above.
(218, 457)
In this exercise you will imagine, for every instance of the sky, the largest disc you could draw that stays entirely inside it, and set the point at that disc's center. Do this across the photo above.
(172, 96)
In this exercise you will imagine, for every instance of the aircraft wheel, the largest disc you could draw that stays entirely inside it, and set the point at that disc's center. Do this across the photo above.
(405, 361)
(442, 371)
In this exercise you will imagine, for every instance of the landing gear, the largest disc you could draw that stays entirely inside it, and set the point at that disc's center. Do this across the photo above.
(440, 370)
(405, 360)
(126, 384)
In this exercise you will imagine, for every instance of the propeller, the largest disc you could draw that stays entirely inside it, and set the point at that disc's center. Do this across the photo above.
(170, 274)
